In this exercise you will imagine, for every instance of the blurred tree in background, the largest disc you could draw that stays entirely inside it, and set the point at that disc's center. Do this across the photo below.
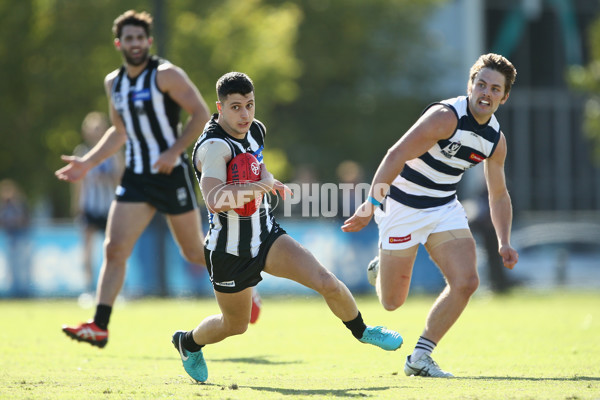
(335, 79)
(587, 79)
(366, 68)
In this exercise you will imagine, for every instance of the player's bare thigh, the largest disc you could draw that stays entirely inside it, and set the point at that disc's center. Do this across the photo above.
(455, 254)
(288, 259)
(235, 307)
(187, 231)
(126, 222)
(233, 320)
(395, 272)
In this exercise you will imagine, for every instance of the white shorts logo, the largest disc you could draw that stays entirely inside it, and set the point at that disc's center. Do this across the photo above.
(182, 196)
(227, 283)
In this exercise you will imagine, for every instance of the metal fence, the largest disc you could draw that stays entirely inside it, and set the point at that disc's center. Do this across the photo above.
(550, 164)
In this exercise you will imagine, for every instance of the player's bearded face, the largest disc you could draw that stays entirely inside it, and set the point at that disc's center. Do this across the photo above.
(136, 57)
(134, 44)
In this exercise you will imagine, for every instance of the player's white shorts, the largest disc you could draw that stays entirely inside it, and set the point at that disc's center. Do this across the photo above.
(402, 227)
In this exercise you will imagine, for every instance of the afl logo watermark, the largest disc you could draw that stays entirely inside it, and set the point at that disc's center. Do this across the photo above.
(231, 201)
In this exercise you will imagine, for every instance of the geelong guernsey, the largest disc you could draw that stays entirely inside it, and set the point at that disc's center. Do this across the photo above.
(229, 232)
(431, 179)
(150, 116)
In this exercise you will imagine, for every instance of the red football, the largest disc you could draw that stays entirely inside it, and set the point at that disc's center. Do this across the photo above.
(241, 169)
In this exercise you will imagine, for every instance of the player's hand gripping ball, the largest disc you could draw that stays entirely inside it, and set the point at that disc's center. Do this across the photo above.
(245, 168)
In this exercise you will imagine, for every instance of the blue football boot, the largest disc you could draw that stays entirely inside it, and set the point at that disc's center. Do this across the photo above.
(193, 362)
(382, 337)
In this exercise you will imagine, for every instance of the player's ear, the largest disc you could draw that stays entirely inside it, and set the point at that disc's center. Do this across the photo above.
(150, 40)
(218, 106)
(117, 43)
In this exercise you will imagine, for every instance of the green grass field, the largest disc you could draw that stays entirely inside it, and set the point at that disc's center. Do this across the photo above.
(522, 346)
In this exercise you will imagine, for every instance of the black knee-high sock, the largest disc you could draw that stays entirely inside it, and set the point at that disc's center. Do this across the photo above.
(356, 326)
(102, 315)
(188, 342)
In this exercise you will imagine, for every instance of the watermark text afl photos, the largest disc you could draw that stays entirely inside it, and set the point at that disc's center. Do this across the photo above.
(310, 200)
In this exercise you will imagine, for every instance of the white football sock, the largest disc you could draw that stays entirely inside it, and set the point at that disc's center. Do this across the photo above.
(423, 346)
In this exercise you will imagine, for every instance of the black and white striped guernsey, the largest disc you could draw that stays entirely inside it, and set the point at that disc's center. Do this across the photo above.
(229, 232)
(150, 116)
(98, 186)
(431, 179)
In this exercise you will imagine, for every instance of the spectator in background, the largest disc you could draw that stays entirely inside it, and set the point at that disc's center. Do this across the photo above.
(357, 247)
(349, 173)
(481, 224)
(93, 195)
(306, 199)
(14, 220)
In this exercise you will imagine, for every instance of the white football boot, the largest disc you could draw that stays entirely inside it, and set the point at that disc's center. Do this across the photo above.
(425, 366)
(373, 271)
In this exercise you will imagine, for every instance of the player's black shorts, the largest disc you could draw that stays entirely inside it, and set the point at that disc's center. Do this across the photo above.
(97, 222)
(170, 194)
(232, 274)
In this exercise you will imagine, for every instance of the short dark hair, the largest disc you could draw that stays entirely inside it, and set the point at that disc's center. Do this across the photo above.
(234, 82)
(131, 17)
(498, 63)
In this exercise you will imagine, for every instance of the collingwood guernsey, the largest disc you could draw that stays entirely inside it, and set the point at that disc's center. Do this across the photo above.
(431, 179)
(150, 116)
(229, 232)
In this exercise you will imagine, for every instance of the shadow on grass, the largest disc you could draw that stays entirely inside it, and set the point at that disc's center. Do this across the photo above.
(263, 360)
(530, 378)
(345, 393)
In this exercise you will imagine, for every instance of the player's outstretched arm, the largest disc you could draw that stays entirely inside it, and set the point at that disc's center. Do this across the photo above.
(73, 171)
(436, 123)
(280, 189)
(361, 218)
(78, 167)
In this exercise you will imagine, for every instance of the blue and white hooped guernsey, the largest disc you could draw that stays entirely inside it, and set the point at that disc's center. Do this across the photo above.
(431, 179)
